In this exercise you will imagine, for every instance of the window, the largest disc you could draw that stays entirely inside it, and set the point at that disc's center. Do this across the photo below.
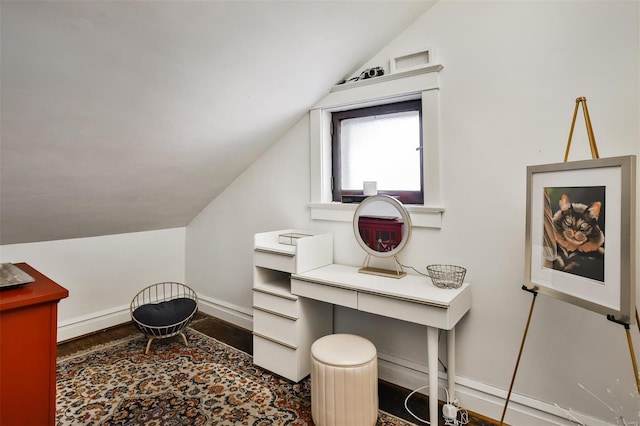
(422, 85)
(381, 143)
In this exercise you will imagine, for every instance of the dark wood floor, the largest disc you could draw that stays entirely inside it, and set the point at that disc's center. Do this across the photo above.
(391, 396)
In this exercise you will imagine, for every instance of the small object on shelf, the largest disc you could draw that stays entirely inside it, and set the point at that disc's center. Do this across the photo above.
(291, 239)
(446, 276)
(370, 188)
(12, 276)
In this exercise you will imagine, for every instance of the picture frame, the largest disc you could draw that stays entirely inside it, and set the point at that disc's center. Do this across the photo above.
(580, 234)
(412, 61)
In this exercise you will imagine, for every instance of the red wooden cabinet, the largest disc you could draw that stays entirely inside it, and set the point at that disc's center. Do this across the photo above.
(28, 339)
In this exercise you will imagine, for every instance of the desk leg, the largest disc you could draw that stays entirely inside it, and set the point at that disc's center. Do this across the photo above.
(432, 360)
(451, 363)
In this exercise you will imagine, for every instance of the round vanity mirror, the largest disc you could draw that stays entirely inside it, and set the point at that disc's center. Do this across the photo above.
(382, 227)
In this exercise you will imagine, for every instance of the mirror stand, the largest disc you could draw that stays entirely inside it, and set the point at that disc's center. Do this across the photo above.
(382, 227)
(398, 273)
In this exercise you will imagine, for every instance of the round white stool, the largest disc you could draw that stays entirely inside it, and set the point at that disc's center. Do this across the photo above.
(344, 381)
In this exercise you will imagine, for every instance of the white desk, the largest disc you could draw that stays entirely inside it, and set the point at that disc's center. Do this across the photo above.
(412, 298)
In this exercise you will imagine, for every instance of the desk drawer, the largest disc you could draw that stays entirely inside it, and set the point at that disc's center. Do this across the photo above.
(276, 261)
(280, 359)
(325, 293)
(271, 302)
(404, 310)
(276, 327)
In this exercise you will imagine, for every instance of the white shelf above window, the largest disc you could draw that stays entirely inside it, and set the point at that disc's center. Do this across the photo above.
(387, 77)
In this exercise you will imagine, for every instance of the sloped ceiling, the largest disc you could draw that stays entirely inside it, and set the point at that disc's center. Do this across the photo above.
(124, 116)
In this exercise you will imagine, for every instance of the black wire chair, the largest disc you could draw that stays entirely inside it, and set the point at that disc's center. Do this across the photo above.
(163, 310)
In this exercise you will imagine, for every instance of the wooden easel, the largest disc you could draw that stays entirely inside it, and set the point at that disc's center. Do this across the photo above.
(592, 139)
(594, 154)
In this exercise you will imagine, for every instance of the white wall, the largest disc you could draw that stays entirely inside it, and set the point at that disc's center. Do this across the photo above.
(103, 274)
(512, 72)
(272, 194)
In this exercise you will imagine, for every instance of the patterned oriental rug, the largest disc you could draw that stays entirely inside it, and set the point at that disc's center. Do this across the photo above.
(206, 383)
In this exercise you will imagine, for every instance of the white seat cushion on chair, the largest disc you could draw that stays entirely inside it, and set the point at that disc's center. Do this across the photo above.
(347, 350)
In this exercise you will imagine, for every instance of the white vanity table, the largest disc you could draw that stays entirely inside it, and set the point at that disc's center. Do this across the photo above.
(296, 285)
(411, 298)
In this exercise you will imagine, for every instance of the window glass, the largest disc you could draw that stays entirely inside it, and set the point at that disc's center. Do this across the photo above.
(381, 149)
(381, 144)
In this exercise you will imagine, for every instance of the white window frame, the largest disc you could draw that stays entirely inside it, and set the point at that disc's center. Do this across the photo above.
(417, 84)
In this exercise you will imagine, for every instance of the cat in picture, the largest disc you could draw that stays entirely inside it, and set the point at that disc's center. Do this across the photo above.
(579, 239)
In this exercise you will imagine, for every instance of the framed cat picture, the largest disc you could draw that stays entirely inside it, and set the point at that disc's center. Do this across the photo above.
(580, 234)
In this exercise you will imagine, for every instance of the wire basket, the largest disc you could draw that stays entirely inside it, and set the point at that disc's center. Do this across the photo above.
(446, 276)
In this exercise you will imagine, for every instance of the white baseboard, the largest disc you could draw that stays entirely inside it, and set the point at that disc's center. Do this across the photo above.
(237, 315)
(481, 398)
(82, 325)
(86, 324)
